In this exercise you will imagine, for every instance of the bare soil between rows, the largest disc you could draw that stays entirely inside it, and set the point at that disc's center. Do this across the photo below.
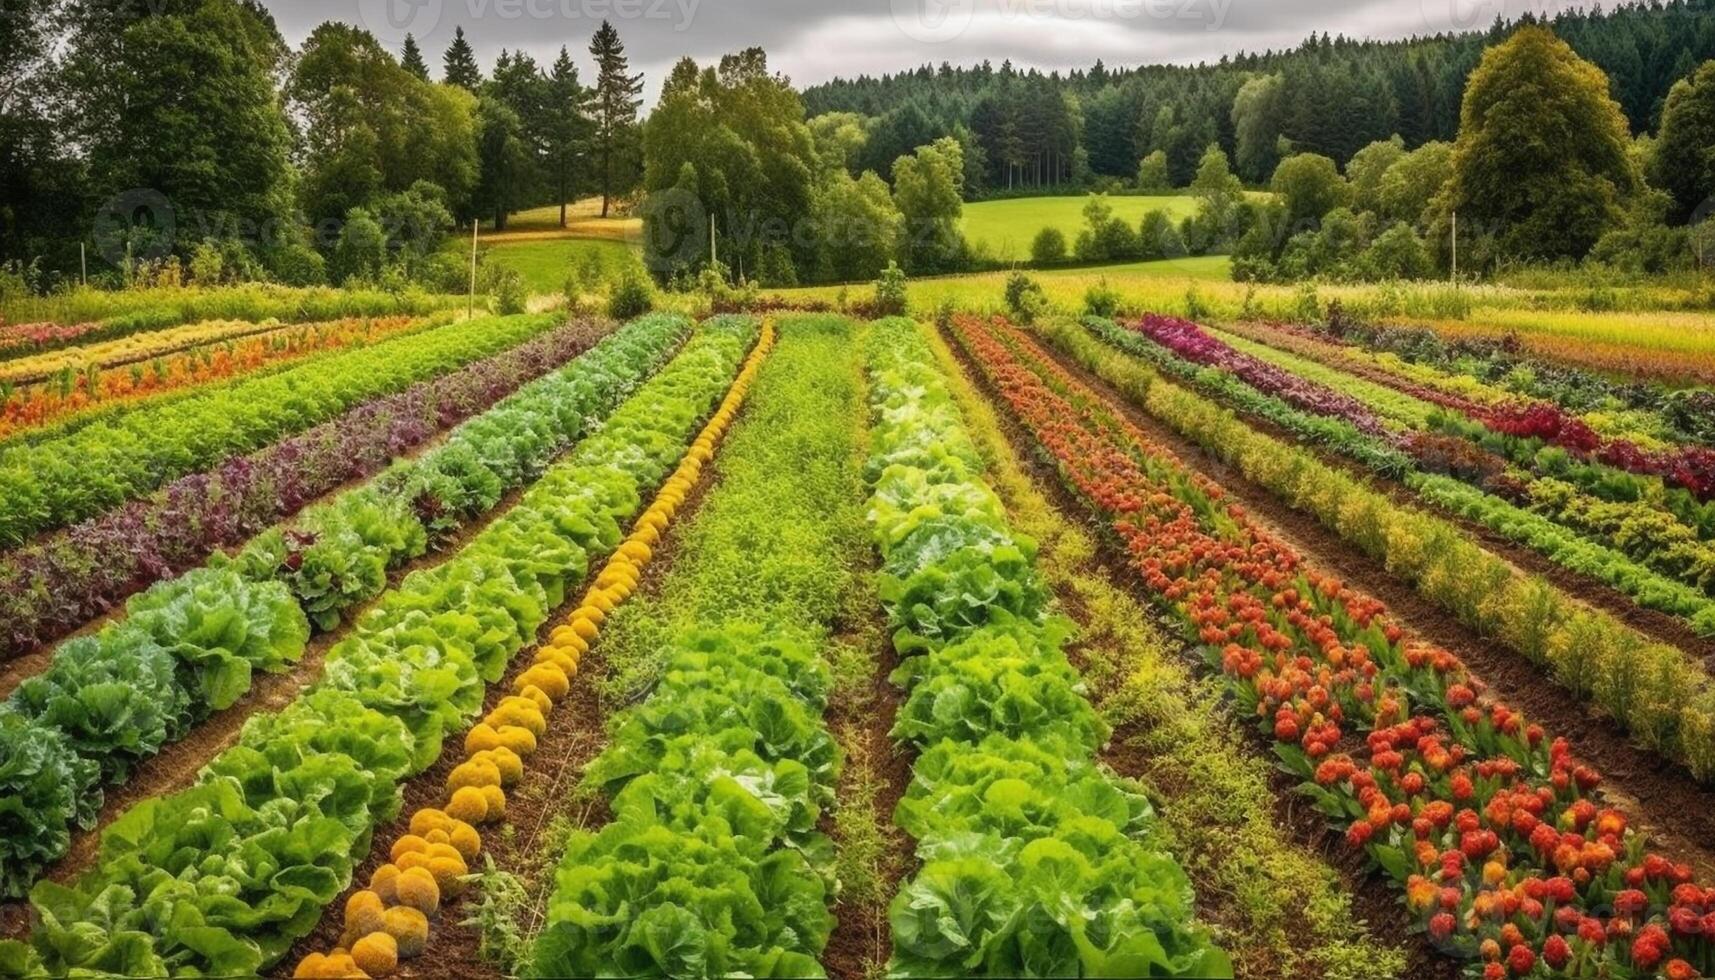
(862, 939)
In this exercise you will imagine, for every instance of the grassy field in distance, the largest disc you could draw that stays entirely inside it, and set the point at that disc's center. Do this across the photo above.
(545, 262)
(1006, 228)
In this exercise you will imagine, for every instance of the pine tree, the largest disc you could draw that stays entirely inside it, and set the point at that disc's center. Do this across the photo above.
(615, 102)
(460, 64)
(412, 59)
(566, 126)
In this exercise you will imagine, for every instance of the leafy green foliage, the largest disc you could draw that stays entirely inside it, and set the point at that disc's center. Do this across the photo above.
(1035, 863)
(114, 696)
(995, 681)
(223, 877)
(714, 776)
(1042, 861)
(43, 791)
(719, 778)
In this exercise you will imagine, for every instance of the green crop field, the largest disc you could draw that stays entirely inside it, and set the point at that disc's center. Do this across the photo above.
(411, 565)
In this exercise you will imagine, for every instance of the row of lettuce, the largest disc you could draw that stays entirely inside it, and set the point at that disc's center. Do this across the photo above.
(56, 482)
(1490, 824)
(720, 775)
(1657, 691)
(221, 878)
(1214, 795)
(1034, 859)
(1651, 541)
(62, 580)
(190, 646)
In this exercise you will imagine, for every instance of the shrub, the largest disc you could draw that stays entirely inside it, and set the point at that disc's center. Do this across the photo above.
(506, 286)
(1049, 247)
(446, 271)
(633, 295)
(890, 298)
(1396, 254)
(1101, 299)
(1158, 238)
(1105, 237)
(206, 265)
(297, 264)
(1025, 299)
(361, 248)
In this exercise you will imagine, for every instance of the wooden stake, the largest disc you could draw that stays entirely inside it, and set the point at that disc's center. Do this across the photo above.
(470, 307)
(1455, 248)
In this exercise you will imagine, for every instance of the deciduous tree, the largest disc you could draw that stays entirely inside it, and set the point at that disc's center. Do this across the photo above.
(1683, 161)
(1542, 163)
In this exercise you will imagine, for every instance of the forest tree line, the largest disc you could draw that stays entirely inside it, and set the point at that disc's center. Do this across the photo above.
(1330, 95)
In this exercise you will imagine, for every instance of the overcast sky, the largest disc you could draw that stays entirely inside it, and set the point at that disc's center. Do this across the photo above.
(813, 40)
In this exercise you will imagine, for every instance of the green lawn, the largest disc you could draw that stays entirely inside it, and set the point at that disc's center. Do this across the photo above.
(546, 262)
(1147, 284)
(1006, 228)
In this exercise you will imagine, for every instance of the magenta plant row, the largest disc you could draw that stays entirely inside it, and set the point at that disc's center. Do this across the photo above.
(53, 586)
(1189, 341)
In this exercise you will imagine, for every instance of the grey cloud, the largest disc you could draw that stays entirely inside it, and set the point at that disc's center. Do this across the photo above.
(812, 40)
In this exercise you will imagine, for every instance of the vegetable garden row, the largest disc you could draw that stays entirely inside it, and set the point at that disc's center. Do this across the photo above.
(79, 390)
(1660, 692)
(481, 647)
(89, 317)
